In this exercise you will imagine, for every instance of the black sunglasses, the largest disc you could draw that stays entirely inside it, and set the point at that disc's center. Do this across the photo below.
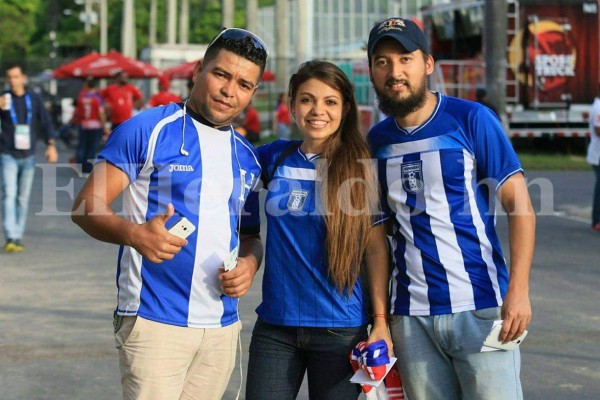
(239, 34)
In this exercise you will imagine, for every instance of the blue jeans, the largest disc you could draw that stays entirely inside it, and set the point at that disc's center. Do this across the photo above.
(88, 147)
(439, 358)
(17, 179)
(283, 131)
(596, 203)
(280, 355)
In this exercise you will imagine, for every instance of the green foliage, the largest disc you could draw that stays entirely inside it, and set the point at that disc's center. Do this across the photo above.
(25, 25)
(17, 27)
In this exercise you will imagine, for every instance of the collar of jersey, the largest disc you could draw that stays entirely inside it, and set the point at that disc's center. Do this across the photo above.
(427, 121)
(203, 120)
(305, 156)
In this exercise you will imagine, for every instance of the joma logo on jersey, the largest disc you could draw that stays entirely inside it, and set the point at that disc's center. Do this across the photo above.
(180, 168)
(297, 199)
(245, 183)
(412, 176)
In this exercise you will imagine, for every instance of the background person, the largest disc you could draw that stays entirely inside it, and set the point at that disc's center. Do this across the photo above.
(442, 163)
(251, 124)
(120, 98)
(163, 97)
(92, 125)
(22, 117)
(482, 98)
(282, 119)
(593, 158)
(313, 311)
(177, 323)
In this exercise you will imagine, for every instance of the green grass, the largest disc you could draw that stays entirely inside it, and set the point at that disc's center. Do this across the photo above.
(271, 138)
(553, 162)
(268, 139)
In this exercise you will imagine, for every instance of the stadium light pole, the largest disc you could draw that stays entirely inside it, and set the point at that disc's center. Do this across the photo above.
(103, 27)
(184, 22)
(171, 21)
(251, 15)
(89, 18)
(228, 10)
(128, 40)
(281, 44)
(495, 43)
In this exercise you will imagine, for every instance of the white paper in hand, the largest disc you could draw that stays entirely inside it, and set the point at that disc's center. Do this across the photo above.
(361, 376)
(230, 261)
(492, 343)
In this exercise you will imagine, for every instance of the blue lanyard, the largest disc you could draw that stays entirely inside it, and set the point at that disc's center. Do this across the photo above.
(13, 114)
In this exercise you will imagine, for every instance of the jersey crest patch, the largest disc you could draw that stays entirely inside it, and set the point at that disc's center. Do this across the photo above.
(412, 176)
(297, 199)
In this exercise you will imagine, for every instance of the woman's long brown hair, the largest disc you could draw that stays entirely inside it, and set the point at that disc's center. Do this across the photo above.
(348, 193)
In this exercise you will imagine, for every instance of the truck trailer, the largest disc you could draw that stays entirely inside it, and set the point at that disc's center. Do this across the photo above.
(552, 61)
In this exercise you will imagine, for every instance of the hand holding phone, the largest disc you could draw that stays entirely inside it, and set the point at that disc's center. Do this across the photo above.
(493, 340)
(182, 228)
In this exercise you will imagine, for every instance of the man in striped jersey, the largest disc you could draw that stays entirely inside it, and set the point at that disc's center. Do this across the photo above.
(176, 322)
(442, 163)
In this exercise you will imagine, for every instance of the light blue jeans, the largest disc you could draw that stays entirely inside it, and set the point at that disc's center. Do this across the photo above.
(439, 358)
(17, 179)
(283, 131)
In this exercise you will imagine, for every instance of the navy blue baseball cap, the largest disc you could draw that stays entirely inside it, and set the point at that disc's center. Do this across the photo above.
(405, 31)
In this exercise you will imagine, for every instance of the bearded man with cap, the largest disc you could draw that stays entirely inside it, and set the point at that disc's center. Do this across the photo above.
(443, 162)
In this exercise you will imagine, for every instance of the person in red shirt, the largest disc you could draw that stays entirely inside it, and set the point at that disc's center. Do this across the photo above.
(92, 121)
(252, 124)
(120, 97)
(163, 97)
(281, 122)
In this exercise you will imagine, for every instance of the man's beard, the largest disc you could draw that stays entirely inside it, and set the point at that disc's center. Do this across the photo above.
(401, 108)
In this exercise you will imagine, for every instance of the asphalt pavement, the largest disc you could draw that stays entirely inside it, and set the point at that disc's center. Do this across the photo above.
(57, 298)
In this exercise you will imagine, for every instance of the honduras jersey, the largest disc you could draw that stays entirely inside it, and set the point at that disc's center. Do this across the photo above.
(207, 174)
(296, 289)
(440, 182)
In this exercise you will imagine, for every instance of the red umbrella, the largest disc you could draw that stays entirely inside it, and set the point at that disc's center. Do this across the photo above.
(186, 71)
(181, 71)
(105, 66)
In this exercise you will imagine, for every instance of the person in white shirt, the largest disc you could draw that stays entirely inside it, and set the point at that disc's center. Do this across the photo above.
(593, 157)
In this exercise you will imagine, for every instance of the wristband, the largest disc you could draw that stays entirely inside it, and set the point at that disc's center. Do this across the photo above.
(384, 316)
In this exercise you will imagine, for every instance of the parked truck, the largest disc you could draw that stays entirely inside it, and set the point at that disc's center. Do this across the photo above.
(552, 57)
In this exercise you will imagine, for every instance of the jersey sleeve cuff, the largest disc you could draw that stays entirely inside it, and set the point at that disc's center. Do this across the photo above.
(250, 230)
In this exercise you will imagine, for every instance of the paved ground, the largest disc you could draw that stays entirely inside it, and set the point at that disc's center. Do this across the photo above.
(56, 300)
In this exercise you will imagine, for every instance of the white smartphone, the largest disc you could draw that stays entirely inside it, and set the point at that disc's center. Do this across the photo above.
(493, 341)
(182, 228)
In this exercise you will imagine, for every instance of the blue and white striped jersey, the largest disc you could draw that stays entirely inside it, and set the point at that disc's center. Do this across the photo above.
(296, 289)
(440, 182)
(208, 186)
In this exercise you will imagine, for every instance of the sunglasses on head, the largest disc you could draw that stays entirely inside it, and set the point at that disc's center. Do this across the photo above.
(239, 34)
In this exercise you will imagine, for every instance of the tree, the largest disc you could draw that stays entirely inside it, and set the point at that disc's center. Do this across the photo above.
(26, 23)
(17, 28)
